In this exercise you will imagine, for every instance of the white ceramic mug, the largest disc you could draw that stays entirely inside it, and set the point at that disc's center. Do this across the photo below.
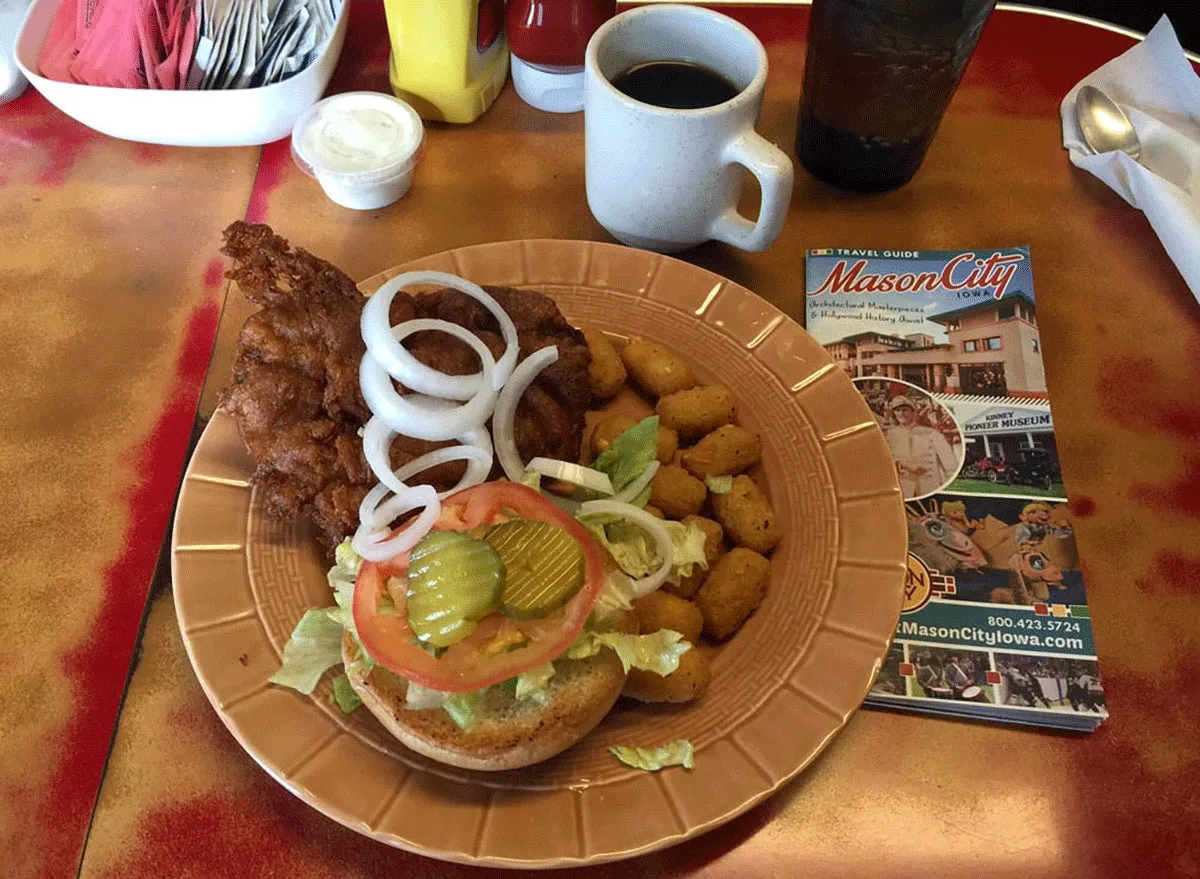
(666, 179)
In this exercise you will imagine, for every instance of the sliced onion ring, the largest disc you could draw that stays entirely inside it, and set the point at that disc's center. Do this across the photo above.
(653, 526)
(506, 410)
(411, 419)
(576, 474)
(476, 450)
(633, 489)
(385, 348)
(371, 541)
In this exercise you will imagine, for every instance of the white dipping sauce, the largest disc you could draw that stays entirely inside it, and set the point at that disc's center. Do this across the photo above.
(361, 147)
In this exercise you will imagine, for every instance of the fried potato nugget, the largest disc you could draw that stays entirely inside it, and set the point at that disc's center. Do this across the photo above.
(733, 590)
(606, 372)
(694, 412)
(747, 516)
(727, 450)
(686, 683)
(676, 492)
(714, 548)
(655, 511)
(659, 610)
(612, 427)
(656, 370)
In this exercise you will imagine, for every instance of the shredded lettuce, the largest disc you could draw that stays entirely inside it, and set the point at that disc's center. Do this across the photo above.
(688, 541)
(341, 579)
(630, 454)
(658, 652)
(461, 707)
(678, 753)
(532, 684)
(418, 698)
(315, 645)
(617, 594)
(343, 573)
(344, 695)
(719, 484)
(533, 480)
(636, 553)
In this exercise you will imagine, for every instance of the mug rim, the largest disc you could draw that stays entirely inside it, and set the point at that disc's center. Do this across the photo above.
(592, 64)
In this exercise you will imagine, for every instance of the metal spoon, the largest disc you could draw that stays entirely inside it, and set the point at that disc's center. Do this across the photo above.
(1104, 125)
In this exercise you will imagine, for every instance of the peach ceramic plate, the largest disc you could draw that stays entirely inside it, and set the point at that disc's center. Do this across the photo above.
(781, 689)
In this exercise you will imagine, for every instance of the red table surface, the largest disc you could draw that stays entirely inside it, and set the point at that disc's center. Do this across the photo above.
(113, 307)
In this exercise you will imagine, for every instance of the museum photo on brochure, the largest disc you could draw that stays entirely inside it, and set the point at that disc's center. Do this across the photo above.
(961, 326)
(944, 346)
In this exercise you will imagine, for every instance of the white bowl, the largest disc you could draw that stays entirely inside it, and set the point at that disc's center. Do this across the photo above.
(229, 117)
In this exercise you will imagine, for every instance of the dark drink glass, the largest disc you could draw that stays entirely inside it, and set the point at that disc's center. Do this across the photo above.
(877, 79)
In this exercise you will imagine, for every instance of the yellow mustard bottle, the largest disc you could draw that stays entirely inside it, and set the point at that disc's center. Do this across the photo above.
(449, 57)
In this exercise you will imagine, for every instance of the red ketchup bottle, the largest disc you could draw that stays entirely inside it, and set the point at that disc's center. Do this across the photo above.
(548, 39)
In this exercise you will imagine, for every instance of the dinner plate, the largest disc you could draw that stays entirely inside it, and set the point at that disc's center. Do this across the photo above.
(781, 688)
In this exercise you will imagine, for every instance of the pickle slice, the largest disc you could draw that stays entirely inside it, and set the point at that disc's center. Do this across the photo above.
(453, 582)
(543, 567)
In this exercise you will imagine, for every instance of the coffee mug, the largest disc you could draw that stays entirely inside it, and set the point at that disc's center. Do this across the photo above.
(666, 179)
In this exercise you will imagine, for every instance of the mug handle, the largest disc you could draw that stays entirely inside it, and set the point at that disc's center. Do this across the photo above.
(773, 169)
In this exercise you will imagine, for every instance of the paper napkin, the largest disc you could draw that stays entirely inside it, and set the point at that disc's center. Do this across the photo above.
(1159, 90)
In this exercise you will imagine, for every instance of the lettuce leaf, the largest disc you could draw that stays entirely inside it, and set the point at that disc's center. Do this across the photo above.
(688, 541)
(616, 594)
(719, 484)
(636, 553)
(344, 572)
(631, 547)
(658, 652)
(418, 698)
(344, 695)
(532, 684)
(678, 753)
(315, 645)
(461, 707)
(630, 454)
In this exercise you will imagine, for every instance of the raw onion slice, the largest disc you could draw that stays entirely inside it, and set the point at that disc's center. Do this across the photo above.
(385, 348)
(576, 474)
(506, 410)
(476, 450)
(653, 526)
(403, 415)
(471, 454)
(371, 540)
(633, 489)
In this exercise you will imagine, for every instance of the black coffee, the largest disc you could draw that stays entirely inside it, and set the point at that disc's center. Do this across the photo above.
(678, 85)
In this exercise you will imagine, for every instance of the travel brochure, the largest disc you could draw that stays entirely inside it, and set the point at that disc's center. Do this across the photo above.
(945, 348)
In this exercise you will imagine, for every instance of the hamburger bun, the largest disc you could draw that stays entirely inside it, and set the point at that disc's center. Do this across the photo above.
(506, 733)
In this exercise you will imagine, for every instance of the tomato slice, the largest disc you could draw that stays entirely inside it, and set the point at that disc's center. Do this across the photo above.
(467, 665)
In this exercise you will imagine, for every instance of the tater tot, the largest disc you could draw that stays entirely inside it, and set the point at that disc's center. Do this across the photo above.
(656, 370)
(655, 511)
(676, 492)
(714, 548)
(606, 371)
(686, 683)
(725, 451)
(732, 591)
(612, 427)
(658, 610)
(694, 412)
(747, 517)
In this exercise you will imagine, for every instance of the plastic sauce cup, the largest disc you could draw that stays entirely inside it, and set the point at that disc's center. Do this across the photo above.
(360, 146)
